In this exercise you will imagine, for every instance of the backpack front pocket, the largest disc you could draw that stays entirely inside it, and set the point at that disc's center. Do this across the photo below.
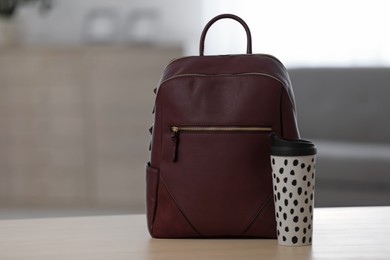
(219, 176)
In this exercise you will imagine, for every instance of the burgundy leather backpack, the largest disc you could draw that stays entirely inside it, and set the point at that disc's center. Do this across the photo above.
(209, 173)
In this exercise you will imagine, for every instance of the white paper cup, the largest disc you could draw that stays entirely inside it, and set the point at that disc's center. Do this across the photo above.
(293, 183)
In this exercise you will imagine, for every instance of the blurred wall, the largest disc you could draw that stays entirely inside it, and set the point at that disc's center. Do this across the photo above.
(76, 99)
(74, 122)
(77, 22)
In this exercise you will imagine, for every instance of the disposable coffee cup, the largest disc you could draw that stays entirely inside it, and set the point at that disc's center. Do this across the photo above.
(293, 171)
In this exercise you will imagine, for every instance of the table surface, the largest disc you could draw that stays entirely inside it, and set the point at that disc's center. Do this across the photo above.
(339, 233)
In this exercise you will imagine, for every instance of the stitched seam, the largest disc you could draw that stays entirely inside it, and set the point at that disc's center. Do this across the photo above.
(261, 208)
(262, 74)
(178, 206)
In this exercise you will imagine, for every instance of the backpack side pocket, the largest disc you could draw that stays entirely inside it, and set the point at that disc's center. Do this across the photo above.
(152, 180)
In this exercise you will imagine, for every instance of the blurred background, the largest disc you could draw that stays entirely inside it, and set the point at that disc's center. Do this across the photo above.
(77, 80)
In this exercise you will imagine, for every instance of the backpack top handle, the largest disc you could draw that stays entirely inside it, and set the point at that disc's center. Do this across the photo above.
(223, 16)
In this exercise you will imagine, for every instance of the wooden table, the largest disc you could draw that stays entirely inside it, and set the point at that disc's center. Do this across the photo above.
(339, 233)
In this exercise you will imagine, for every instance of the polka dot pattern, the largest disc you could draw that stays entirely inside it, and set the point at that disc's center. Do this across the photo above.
(293, 179)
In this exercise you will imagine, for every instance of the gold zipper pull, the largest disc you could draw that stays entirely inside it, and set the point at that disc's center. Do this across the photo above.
(175, 140)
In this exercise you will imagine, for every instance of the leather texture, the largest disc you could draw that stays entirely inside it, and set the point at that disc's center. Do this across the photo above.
(220, 184)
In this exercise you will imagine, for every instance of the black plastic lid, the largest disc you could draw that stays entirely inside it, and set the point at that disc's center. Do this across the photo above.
(291, 147)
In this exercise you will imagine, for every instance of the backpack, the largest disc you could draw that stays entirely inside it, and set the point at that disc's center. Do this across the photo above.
(209, 173)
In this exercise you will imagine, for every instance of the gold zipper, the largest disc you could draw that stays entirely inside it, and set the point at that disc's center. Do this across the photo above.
(177, 129)
(224, 74)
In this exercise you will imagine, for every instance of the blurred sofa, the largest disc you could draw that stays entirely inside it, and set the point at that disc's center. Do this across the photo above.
(345, 112)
